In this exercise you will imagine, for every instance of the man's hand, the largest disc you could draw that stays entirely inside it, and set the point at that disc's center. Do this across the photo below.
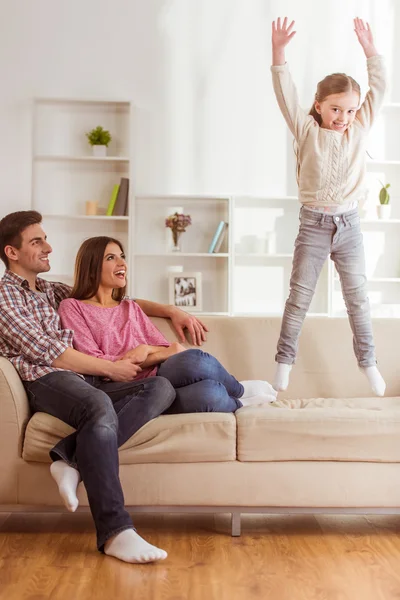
(365, 37)
(182, 320)
(137, 355)
(123, 370)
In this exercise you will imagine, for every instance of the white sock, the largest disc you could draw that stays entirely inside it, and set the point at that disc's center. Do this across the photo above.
(259, 400)
(67, 478)
(281, 380)
(130, 547)
(255, 387)
(375, 379)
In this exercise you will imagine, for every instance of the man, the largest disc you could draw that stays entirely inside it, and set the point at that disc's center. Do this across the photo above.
(99, 398)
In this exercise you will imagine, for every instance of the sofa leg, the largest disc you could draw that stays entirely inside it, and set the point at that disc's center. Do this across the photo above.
(235, 522)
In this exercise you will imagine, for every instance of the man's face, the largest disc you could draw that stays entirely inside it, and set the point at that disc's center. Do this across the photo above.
(33, 255)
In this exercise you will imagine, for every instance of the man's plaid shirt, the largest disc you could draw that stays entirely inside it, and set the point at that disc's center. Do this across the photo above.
(30, 332)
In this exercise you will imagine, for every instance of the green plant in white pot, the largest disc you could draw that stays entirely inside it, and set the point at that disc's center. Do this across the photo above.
(384, 207)
(99, 139)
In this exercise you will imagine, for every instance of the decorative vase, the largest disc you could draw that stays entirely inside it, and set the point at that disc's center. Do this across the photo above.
(384, 211)
(175, 239)
(99, 150)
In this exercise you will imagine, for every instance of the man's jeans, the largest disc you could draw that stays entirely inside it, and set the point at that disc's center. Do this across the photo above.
(340, 236)
(105, 415)
(201, 383)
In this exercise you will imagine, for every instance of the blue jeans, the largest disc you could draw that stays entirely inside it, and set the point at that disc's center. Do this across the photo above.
(201, 383)
(105, 415)
(339, 236)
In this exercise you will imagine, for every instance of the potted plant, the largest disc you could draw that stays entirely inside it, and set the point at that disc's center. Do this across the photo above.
(384, 197)
(99, 139)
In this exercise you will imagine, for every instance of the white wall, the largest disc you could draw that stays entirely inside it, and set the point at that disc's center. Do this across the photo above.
(198, 70)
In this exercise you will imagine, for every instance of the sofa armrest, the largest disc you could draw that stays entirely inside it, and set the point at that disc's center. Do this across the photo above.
(14, 410)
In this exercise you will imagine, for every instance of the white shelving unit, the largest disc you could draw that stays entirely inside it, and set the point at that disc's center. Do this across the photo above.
(153, 259)
(65, 175)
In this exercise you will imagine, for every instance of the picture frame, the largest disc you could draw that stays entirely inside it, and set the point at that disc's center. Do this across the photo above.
(185, 290)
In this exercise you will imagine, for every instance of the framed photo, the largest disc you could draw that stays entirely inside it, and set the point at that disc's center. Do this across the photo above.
(185, 291)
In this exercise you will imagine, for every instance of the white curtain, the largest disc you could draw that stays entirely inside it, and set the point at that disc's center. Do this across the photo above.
(217, 120)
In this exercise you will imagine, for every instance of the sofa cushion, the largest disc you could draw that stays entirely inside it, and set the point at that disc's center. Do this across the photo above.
(356, 429)
(194, 437)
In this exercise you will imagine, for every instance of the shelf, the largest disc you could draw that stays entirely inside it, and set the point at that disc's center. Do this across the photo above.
(266, 198)
(111, 101)
(377, 279)
(86, 217)
(66, 158)
(181, 198)
(209, 314)
(383, 162)
(185, 254)
(262, 255)
(384, 280)
(276, 314)
(377, 221)
(390, 105)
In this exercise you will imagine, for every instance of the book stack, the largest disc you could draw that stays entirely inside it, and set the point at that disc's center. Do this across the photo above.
(218, 238)
(119, 201)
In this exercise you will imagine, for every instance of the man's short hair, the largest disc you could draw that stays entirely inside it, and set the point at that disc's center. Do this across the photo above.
(11, 228)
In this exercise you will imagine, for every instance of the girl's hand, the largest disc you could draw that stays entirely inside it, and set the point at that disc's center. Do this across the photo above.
(364, 35)
(281, 34)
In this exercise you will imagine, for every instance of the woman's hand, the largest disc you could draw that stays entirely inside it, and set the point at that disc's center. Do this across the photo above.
(182, 320)
(137, 355)
(365, 37)
(281, 36)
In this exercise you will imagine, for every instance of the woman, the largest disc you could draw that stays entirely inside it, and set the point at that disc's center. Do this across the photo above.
(109, 325)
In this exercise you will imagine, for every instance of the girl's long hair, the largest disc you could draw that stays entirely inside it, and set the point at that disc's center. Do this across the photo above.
(88, 266)
(337, 83)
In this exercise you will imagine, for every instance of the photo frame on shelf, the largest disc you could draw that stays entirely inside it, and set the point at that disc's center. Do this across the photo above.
(185, 290)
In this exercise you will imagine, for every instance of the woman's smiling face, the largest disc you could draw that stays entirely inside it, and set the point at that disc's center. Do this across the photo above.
(113, 271)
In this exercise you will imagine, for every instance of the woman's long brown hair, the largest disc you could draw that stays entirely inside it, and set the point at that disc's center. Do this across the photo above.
(88, 266)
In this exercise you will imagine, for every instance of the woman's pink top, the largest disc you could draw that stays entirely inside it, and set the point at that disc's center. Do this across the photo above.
(109, 333)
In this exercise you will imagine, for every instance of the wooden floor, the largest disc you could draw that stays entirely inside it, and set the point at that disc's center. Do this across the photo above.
(277, 557)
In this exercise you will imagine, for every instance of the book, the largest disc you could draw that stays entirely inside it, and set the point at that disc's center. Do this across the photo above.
(214, 241)
(221, 238)
(121, 202)
(113, 199)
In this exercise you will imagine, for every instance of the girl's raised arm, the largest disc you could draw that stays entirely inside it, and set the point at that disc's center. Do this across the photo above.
(376, 74)
(285, 90)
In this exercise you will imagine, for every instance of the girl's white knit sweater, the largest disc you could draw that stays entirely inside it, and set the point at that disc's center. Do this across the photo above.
(331, 165)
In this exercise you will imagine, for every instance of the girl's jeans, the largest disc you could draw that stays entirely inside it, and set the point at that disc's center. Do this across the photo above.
(339, 236)
(201, 383)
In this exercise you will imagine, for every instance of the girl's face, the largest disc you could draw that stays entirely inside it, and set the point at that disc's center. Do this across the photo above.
(113, 272)
(338, 111)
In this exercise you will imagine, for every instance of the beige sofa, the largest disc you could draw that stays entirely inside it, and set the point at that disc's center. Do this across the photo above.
(324, 446)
